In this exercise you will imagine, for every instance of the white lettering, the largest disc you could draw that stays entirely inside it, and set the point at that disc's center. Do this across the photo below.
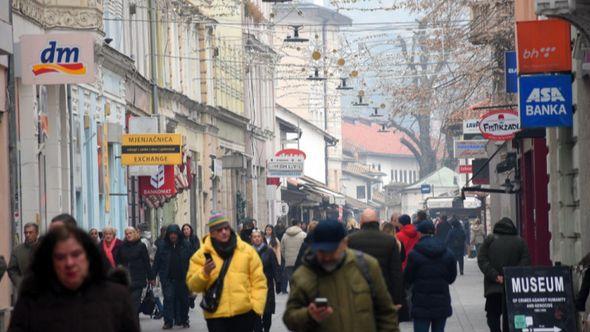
(543, 95)
(538, 284)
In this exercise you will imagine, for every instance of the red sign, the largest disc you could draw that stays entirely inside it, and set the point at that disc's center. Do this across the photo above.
(465, 169)
(291, 152)
(273, 181)
(500, 125)
(543, 46)
(160, 184)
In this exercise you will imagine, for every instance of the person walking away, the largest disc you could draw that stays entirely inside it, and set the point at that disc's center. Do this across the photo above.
(501, 249)
(271, 272)
(171, 265)
(338, 289)
(280, 230)
(456, 242)
(110, 245)
(304, 250)
(371, 241)
(408, 235)
(443, 228)
(134, 257)
(241, 292)
(477, 235)
(431, 269)
(69, 291)
(467, 229)
(290, 245)
(93, 232)
(189, 235)
(20, 258)
(420, 217)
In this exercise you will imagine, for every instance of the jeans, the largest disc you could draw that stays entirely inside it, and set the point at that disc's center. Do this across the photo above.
(263, 324)
(240, 323)
(496, 309)
(175, 302)
(459, 258)
(287, 278)
(423, 325)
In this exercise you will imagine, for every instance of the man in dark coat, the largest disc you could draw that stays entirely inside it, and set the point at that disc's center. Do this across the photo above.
(20, 258)
(171, 264)
(501, 249)
(431, 269)
(456, 242)
(442, 229)
(383, 247)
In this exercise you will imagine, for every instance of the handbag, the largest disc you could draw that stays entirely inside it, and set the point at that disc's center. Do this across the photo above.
(212, 295)
(148, 303)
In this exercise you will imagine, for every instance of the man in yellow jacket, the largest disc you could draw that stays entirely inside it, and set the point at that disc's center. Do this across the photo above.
(243, 294)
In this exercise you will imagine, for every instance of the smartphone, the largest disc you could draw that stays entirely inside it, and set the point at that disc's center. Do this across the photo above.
(321, 302)
(208, 256)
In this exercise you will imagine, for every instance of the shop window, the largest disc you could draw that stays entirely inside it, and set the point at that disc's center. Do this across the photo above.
(361, 192)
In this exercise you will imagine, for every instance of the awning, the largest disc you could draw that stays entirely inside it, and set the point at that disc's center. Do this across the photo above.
(314, 187)
(359, 205)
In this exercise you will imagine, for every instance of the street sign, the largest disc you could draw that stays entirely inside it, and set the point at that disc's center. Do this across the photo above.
(425, 188)
(151, 149)
(471, 126)
(468, 149)
(511, 72)
(465, 169)
(546, 101)
(500, 125)
(543, 46)
(162, 183)
(540, 299)
(285, 166)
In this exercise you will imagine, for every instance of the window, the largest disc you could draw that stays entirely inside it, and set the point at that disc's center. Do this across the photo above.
(379, 167)
(405, 176)
(415, 177)
(391, 176)
(396, 178)
(361, 192)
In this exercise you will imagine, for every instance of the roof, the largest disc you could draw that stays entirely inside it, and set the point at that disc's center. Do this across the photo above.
(366, 137)
(281, 109)
(361, 170)
(309, 13)
(444, 177)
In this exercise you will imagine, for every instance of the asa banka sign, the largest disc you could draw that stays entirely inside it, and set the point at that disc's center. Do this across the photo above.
(546, 101)
(57, 58)
(540, 299)
(499, 125)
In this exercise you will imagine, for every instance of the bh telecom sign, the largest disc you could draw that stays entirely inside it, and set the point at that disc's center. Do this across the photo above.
(543, 46)
(546, 101)
(57, 58)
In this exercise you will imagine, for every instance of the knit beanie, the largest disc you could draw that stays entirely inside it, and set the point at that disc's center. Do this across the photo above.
(217, 220)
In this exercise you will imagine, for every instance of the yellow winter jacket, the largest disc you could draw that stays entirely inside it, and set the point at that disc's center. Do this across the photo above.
(244, 287)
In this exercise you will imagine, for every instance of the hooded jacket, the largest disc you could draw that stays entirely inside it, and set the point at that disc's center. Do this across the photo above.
(408, 236)
(348, 293)
(502, 248)
(431, 269)
(291, 243)
(244, 286)
(163, 255)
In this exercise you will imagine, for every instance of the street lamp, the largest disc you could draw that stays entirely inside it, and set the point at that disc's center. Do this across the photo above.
(295, 38)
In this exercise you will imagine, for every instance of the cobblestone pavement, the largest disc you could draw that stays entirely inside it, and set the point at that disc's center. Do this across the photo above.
(468, 308)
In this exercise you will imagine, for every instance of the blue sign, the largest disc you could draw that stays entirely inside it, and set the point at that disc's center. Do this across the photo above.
(545, 101)
(425, 188)
(510, 72)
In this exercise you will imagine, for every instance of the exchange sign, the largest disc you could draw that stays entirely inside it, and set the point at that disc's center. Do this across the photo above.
(546, 101)
(540, 299)
(151, 149)
(500, 125)
(543, 46)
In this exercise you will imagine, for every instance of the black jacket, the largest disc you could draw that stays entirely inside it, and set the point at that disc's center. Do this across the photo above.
(164, 253)
(442, 230)
(271, 271)
(502, 248)
(383, 247)
(456, 238)
(431, 269)
(135, 258)
(100, 307)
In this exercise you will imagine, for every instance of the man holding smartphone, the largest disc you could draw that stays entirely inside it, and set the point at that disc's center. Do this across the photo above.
(338, 289)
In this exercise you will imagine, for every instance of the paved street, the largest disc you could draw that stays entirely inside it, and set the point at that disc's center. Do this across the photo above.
(468, 307)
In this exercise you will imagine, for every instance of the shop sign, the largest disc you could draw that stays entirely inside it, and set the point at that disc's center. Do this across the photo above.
(286, 163)
(500, 125)
(151, 149)
(469, 149)
(465, 169)
(161, 183)
(471, 126)
(425, 188)
(540, 299)
(511, 72)
(543, 46)
(546, 101)
(60, 58)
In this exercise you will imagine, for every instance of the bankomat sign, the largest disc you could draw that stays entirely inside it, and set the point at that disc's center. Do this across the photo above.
(57, 58)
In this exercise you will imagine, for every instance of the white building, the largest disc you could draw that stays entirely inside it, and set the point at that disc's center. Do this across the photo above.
(443, 182)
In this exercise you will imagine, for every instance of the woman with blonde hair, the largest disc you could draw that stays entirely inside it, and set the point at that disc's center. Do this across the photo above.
(352, 226)
(110, 245)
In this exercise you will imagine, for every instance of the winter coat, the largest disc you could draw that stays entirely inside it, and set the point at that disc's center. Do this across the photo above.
(2, 267)
(477, 234)
(291, 243)
(194, 243)
(382, 247)
(165, 250)
(20, 261)
(502, 248)
(348, 293)
(133, 256)
(302, 251)
(408, 236)
(442, 230)
(271, 272)
(97, 307)
(118, 244)
(244, 286)
(456, 238)
(431, 269)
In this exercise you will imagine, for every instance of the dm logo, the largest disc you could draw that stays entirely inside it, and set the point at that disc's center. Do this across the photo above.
(59, 60)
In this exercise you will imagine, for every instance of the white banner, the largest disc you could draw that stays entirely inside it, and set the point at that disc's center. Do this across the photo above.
(470, 149)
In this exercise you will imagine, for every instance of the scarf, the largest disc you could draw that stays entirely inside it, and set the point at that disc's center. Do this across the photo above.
(225, 250)
(108, 250)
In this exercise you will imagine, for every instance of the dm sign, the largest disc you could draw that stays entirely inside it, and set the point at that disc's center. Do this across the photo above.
(500, 125)
(540, 299)
(151, 149)
(546, 101)
(57, 58)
